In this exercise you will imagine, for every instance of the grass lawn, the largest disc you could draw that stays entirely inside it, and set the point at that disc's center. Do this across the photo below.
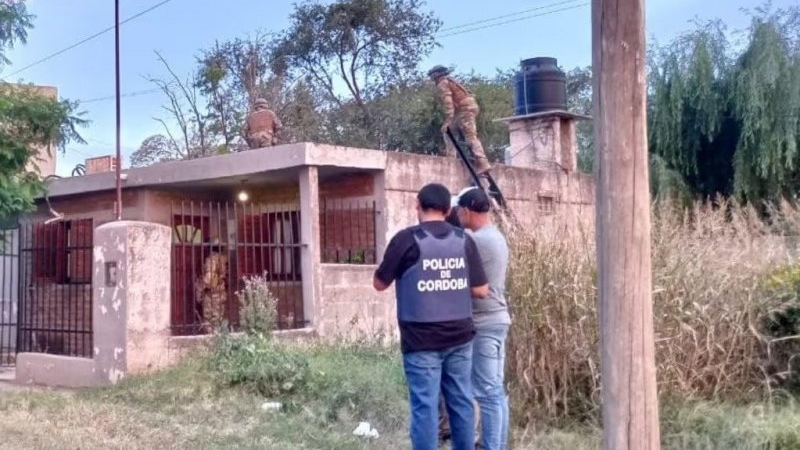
(187, 407)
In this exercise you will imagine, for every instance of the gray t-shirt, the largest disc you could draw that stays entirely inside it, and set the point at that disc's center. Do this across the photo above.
(493, 249)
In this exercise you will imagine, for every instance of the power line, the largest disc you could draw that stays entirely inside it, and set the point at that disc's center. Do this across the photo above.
(515, 20)
(469, 30)
(492, 19)
(128, 94)
(85, 40)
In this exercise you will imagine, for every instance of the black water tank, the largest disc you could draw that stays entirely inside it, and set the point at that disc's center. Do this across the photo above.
(540, 86)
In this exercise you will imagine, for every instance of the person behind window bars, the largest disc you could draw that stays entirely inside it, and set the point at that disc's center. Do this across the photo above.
(211, 288)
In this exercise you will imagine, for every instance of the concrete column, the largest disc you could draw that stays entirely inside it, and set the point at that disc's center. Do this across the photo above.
(381, 221)
(131, 291)
(310, 253)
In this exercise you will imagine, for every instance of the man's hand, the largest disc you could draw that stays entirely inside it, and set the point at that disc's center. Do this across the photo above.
(379, 285)
(480, 291)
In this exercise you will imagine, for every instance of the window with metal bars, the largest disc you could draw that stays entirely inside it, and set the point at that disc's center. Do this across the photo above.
(62, 251)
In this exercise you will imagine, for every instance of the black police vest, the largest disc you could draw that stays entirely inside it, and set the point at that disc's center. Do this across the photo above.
(436, 288)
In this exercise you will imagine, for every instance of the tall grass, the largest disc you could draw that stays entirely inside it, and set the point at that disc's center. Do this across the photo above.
(710, 299)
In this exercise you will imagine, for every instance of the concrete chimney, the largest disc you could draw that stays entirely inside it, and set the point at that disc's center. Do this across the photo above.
(101, 164)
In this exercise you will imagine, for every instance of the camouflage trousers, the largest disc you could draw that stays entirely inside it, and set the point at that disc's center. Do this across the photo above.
(260, 139)
(444, 422)
(464, 120)
(213, 308)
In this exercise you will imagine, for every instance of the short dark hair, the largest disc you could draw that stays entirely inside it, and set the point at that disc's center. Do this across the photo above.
(452, 219)
(475, 200)
(434, 196)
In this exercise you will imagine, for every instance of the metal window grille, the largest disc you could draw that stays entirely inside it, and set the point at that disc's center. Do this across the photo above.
(54, 285)
(347, 232)
(253, 239)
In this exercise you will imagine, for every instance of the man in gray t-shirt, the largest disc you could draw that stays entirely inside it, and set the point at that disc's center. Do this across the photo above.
(491, 317)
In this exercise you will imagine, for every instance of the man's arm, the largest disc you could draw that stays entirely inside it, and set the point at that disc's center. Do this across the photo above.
(478, 282)
(389, 268)
(446, 97)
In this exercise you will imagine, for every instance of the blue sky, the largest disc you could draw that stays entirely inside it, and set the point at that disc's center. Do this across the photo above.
(180, 28)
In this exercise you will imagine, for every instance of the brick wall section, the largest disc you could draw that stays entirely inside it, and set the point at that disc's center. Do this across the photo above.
(98, 207)
(349, 186)
(348, 236)
(347, 219)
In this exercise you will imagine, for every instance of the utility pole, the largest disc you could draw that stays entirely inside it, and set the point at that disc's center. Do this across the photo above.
(627, 348)
(118, 164)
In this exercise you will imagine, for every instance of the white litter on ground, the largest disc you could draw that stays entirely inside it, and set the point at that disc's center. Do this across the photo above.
(365, 430)
(271, 406)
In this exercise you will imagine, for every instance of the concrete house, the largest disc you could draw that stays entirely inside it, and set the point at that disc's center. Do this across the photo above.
(314, 218)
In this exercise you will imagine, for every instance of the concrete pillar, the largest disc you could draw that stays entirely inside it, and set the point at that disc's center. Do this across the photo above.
(131, 291)
(381, 222)
(309, 234)
(544, 142)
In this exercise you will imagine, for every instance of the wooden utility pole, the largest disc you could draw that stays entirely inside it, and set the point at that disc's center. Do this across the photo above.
(627, 349)
(118, 204)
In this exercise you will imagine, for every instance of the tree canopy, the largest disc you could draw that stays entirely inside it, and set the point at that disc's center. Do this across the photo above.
(723, 114)
(28, 121)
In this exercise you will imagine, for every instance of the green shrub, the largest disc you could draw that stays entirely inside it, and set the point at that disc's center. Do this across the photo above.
(260, 365)
(258, 307)
(782, 326)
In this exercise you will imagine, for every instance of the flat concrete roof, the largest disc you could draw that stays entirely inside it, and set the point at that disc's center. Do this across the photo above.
(272, 163)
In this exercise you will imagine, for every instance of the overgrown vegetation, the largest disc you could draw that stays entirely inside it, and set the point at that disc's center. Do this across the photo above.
(353, 379)
(723, 307)
(217, 400)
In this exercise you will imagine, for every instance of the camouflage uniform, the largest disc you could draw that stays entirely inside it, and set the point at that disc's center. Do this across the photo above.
(444, 422)
(262, 126)
(213, 294)
(461, 110)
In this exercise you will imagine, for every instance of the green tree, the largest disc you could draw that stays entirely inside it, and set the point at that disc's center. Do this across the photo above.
(725, 115)
(29, 121)
(579, 101)
(233, 74)
(355, 50)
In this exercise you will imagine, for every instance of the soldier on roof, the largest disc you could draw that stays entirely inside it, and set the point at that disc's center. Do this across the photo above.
(461, 110)
(262, 126)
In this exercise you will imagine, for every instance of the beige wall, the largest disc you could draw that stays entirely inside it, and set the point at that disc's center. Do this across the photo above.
(130, 311)
(349, 307)
(539, 199)
(543, 199)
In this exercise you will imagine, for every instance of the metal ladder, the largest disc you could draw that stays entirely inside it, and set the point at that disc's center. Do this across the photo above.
(499, 205)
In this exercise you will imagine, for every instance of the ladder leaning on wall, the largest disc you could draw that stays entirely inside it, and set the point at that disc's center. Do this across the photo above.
(486, 182)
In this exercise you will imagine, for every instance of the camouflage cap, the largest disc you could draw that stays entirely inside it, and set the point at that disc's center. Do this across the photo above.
(260, 102)
(438, 70)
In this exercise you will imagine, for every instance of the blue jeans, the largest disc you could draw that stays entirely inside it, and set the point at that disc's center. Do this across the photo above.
(426, 373)
(488, 366)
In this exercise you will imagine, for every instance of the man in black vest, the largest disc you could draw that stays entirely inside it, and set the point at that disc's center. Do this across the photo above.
(437, 271)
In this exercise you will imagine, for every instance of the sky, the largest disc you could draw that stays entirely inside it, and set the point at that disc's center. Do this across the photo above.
(179, 29)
